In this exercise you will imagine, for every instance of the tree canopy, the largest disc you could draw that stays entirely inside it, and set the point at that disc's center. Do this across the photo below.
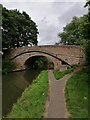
(88, 35)
(18, 29)
(75, 32)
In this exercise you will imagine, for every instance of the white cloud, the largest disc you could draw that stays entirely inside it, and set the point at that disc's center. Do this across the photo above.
(50, 16)
(27, 1)
(77, 9)
(43, 1)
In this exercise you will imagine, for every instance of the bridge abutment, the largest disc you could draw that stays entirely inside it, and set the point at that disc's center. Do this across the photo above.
(57, 64)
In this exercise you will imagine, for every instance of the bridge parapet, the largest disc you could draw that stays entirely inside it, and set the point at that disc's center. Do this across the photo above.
(67, 53)
(58, 50)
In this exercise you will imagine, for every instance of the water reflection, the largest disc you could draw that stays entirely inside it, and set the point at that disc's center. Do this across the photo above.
(13, 84)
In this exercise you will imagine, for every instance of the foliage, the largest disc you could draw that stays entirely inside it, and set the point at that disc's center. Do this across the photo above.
(41, 63)
(75, 32)
(88, 35)
(32, 102)
(38, 62)
(18, 29)
(7, 66)
(59, 74)
(88, 55)
(87, 3)
(76, 94)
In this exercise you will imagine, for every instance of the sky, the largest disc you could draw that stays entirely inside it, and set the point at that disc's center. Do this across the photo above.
(49, 15)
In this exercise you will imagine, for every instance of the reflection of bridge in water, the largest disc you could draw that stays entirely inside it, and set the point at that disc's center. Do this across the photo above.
(68, 54)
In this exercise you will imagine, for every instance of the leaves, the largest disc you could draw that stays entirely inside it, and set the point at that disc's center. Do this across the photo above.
(18, 29)
(76, 31)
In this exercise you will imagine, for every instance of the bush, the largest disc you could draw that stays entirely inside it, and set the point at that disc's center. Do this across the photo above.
(58, 74)
(88, 54)
(7, 66)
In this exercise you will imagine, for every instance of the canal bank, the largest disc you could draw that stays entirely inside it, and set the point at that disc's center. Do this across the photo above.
(32, 101)
(13, 84)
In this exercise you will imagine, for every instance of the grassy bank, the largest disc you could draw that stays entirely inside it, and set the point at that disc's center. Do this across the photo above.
(76, 94)
(59, 74)
(32, 102)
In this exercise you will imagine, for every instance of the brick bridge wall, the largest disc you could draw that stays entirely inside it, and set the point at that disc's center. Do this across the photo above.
(69, 53)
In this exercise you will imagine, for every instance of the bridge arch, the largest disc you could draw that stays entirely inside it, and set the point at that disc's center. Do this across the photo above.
(20, 58)
(46, 62)
(68, 54)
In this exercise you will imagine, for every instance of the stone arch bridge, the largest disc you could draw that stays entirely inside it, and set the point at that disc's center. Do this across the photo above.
(68, 54)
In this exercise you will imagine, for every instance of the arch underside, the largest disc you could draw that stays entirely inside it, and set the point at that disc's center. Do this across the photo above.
(39, 62)
(21, 59)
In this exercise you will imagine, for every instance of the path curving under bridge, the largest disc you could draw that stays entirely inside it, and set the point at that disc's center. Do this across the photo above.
(55, 104)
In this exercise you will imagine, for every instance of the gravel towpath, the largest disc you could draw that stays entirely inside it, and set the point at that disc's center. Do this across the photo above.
(56, 107)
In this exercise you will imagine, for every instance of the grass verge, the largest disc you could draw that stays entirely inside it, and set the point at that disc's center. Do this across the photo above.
(32, 102)
(58, 74)
(76, 94)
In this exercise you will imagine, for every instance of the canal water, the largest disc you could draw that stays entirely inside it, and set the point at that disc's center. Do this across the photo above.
(13, 84)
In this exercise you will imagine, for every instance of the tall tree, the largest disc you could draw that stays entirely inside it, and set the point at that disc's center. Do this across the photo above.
(72, 32)
(18, 29)
(88, 35)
